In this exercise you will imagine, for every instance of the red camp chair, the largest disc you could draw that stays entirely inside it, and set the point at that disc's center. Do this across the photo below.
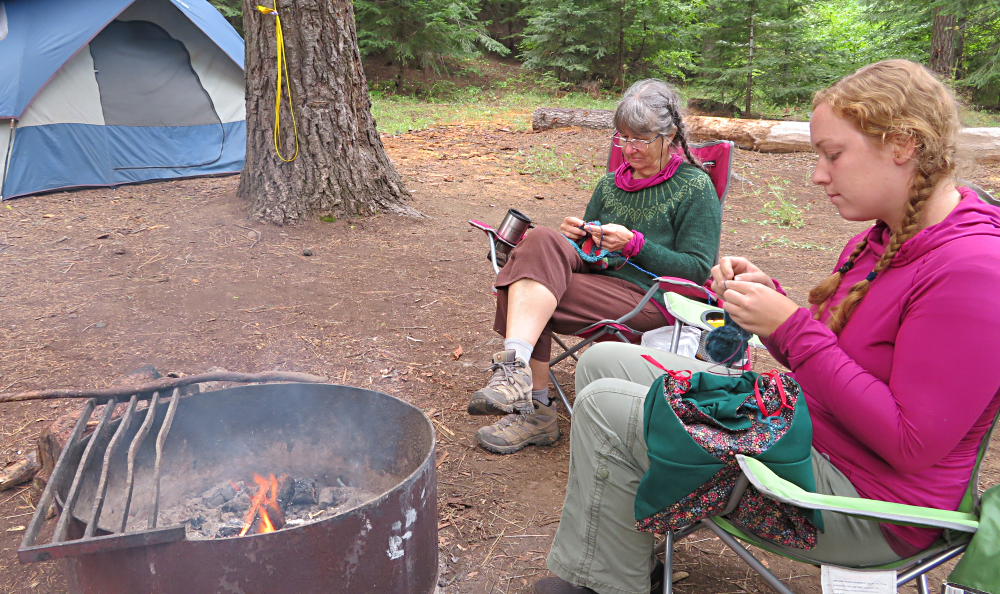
(717, 159)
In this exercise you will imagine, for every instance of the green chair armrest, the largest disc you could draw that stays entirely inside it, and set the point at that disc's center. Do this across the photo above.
(689, 312)
(774, 487)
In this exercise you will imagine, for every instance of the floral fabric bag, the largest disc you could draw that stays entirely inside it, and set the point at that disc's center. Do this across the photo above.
(695, 425)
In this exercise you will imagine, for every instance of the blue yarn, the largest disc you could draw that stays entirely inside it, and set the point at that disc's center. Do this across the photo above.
(603, 253)
(727, 343)
(591, 258)
(641, 269)
(773, 424)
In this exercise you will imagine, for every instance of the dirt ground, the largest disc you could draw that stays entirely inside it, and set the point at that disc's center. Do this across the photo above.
(96, 283)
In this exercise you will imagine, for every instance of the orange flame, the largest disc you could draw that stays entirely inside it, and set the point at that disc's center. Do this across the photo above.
(265, 499)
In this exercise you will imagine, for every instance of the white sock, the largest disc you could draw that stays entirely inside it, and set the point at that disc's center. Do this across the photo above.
(521, 348)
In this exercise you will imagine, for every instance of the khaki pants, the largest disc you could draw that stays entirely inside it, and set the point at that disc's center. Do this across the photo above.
(597, 545)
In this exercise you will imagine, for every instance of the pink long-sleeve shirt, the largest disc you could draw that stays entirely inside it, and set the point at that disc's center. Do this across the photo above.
(901, 400)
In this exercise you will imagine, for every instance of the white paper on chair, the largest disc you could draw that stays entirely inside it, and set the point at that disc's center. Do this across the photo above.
(837, 580)
(660, 339)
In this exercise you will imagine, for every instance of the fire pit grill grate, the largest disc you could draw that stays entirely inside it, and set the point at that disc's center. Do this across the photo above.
(61, 546)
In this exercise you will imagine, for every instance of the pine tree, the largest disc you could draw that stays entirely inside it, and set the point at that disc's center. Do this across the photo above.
(754, 50)
(504, 21)
(233, 11)
(959, 39)
(612, 40)
(421, 32)
(979, 53)
(341, 165)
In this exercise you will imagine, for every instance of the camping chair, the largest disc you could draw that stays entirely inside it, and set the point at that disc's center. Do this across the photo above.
(959, 526)
(717, 159)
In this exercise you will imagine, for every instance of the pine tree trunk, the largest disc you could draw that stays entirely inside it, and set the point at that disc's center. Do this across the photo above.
(746, 114)
(960, 28)
(342, 167)
(943, 44)
(620, 70)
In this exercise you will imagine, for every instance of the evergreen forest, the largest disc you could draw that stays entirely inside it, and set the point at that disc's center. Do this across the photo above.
(738, 57)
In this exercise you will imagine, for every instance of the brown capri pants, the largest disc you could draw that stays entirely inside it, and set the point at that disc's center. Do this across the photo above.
(582, 298)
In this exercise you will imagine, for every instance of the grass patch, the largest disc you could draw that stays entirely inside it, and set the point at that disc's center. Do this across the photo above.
(781, 211)
(783, 241)
(980, 119)
(547, 166)
(398, 114)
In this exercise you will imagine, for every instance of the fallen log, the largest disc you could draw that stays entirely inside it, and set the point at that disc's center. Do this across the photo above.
(19, 472)
(979, 144)
(164, 384)
(766, 136)
(546, 118)
(747, 134)
(53, 438)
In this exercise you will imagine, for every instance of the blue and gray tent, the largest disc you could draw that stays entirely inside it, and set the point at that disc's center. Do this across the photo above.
(107, 92)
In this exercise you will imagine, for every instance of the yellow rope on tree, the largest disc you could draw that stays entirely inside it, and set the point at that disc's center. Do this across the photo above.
(282, 67)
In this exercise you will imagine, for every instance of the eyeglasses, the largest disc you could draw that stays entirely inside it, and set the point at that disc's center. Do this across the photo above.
(638, 144)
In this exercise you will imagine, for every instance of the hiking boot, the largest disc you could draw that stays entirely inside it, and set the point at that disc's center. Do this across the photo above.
(557, 585)
(508, 391)
(514, 431)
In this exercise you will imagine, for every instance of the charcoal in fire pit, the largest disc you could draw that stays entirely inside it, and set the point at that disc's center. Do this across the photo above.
(218, 495)
(327, 497)
(230, 529)
(238, 504)
(305, 491)
(286, 491)
(197, 523)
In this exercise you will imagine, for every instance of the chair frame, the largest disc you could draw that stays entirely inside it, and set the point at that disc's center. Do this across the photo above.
(620, 329)
(916, 568)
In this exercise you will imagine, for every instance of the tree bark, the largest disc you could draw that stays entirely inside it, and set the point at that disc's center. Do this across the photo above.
(943, 44)
(746, 114)
(341, 167)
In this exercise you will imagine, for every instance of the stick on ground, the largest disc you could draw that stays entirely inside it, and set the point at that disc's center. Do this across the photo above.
(166, 383)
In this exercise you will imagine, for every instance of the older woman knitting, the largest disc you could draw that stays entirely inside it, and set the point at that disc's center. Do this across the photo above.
(656, 211)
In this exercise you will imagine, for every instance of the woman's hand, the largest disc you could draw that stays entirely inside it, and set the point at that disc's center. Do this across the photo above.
(610, 237)
(570, 227)
(731, 268)
(756, 307)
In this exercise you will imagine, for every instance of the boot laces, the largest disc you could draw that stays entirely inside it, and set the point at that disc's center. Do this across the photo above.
(508, 373)
(516, 420)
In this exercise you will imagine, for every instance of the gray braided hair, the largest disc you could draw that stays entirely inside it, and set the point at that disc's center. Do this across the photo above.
(652, 106)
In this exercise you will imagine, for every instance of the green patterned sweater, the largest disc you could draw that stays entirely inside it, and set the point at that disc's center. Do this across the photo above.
(680, 218)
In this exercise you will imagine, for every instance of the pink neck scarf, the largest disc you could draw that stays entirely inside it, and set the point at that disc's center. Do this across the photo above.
(625, 181)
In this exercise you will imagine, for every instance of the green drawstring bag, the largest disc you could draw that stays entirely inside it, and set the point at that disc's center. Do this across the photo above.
(979, 568)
